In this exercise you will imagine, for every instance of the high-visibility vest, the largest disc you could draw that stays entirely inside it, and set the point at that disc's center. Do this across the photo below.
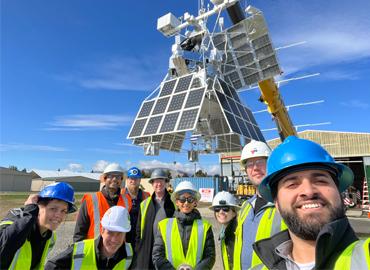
(225, 257)
(355, 256)
(144, 205)
(270, 223)
(23, 257)
(173, 244)
(84, 257)
(97, 205)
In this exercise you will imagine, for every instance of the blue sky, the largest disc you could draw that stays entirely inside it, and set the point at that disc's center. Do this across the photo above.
(74, 73)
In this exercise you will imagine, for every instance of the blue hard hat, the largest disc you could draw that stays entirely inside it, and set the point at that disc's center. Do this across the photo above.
(60, 191)
(134, 172)
(296, 154)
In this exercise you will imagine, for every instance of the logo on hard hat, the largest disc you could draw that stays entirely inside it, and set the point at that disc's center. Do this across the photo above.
(254, 150)
(134, 171)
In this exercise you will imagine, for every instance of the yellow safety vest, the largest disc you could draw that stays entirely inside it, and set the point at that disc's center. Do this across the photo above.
(270, 223)
(225, 258)
(84, 258)
(173, 243)
(144, 209)
(355, 256)
(23, 257)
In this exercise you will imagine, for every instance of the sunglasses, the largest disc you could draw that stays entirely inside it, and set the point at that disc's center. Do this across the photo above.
(224, 208)
(117, 176)
(183, 200)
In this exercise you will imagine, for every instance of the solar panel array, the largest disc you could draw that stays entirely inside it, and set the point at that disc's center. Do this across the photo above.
(240, 118)
(174, 110)
(248, 54)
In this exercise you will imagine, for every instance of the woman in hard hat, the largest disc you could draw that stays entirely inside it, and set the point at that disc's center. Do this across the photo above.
(107, 251)
(27, 234)
(185, 241)
(225, 207)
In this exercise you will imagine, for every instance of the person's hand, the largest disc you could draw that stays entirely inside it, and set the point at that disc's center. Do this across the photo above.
(184, 266)
(32, 199)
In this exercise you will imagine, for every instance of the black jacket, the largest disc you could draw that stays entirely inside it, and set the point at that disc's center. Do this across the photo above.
(333, 238)
(13, 236)
(83, 219)
(64, 259)
(144, 246)
(185, 224)
(229, 238)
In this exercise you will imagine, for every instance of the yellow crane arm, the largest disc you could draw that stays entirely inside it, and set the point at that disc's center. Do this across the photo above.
(275, 105)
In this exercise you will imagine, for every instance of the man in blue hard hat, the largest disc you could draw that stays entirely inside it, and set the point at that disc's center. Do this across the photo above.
(137, 195)
(305, 183)
(27, 234)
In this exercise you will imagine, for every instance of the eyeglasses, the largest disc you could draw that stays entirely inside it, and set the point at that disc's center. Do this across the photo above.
(188, 199)
(258, 163)
(117, 176)
(224, 208)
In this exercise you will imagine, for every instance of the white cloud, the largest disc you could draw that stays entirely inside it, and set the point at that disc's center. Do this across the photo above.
(100, 165)
(75, 167)
(29, 147)
(127, 73)
(334, 32)
(355, 103)
(94, 121)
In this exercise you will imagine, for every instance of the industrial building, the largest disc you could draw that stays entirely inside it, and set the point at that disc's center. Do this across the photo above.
(20, 181)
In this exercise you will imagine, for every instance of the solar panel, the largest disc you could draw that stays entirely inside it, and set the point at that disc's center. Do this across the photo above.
(153, 125)
(146, 108)
(196, 83)
(167, 88)
(137, 128)
(223, 101)
(233, 125)
(169, 122)
(188, 119)
(195, 98)
(247, 45)
(183, 83)
(161, 105)
(176, 102)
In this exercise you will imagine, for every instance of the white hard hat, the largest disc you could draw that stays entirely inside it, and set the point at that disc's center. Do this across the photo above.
(254, 149)
(116, 219)
(224, 198)
(183, 187)
(113, 167)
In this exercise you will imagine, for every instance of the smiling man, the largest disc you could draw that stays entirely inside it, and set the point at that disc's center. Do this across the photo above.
(94, 205)
(107, 251)
(305, 184)
(257, 218)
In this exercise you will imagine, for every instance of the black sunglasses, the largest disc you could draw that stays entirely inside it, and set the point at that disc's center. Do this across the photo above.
(183, 200)
(224, 208)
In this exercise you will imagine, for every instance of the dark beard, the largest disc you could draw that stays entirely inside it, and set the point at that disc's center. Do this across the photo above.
(310, 228)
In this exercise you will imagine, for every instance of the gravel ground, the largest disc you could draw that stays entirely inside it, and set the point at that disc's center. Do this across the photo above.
(65, 234)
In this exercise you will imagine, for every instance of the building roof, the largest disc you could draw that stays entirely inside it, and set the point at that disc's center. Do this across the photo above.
(44, 174)
(337, 143)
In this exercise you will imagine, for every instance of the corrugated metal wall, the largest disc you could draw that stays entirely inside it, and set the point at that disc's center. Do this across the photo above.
(199, 182)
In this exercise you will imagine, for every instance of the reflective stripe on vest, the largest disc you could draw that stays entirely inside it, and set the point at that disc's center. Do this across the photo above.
(225, 258)
(269, 224)
(23, 257)
(355, 256)
(173, 244)
(84, 258)
(97, 205)
(144, 205)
